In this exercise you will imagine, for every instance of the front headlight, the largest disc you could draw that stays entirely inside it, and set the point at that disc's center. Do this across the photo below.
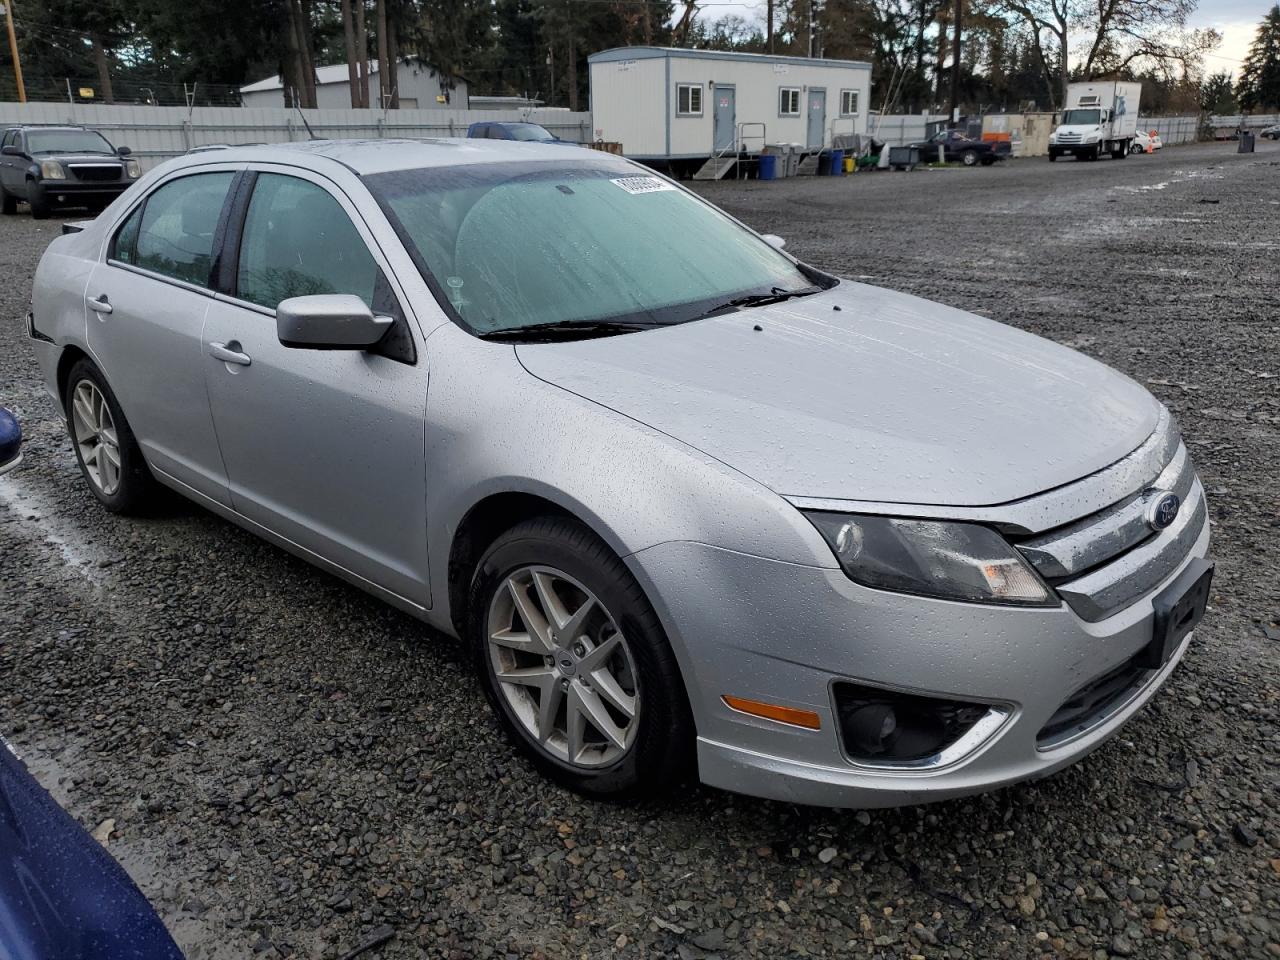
(52, 170)
(133, 169)
(932, 558)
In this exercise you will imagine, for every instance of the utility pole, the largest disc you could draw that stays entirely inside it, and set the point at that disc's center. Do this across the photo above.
(768, 30)
(955, 60)
(811, 29)
(13, 51)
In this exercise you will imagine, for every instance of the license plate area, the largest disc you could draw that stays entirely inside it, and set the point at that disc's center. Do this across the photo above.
(1178, 608)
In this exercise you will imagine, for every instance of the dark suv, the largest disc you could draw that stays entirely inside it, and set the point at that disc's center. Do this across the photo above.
(61, 167)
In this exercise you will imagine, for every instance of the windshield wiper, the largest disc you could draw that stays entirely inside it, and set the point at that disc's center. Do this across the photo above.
(569, 329)
(776, 295)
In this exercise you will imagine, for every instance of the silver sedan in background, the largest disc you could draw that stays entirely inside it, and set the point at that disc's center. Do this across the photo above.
(693, 504)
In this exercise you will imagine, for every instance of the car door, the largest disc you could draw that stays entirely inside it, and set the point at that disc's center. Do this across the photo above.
(323, 447)
(146, 304)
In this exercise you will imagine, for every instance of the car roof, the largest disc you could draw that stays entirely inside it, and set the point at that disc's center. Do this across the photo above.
(382, 156)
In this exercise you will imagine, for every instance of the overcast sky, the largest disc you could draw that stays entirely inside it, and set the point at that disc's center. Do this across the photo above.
(1236, 20)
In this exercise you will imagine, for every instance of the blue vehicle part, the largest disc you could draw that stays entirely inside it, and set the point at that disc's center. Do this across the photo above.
(10, 441)
(61, 894)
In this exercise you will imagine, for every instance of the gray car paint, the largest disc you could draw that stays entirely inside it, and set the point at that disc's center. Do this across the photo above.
(689, 493)
(866, 394)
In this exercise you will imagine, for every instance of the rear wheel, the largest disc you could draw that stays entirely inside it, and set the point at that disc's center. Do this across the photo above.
(575, 663)
(106, 450)
(36, 200)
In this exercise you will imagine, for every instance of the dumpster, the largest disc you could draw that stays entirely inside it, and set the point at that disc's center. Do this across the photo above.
(768, 167)
(1246, 142)
(904, 158)
(837, 163)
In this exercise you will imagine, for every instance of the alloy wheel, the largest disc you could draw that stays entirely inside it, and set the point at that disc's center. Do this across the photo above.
(96, 437)
(563, 667)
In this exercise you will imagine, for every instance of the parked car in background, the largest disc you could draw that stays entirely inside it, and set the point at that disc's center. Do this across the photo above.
(1271, 133)
(51, 167)
(691, 502)
(10, 441)
(1146, 142)
(509, 130)
(955, 146)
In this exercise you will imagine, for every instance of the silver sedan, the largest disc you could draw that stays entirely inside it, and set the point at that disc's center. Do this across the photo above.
(696, 506)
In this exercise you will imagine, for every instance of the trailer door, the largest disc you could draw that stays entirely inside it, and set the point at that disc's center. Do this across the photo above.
(722, 135)
(817, 117)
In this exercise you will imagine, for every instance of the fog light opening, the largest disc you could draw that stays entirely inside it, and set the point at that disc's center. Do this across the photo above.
(885, 727)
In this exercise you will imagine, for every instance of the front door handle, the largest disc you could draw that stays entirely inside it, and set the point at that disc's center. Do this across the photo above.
(229, 353)
(100, 304)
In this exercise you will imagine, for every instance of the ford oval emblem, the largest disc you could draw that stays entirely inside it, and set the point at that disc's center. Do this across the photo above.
(1163, 510)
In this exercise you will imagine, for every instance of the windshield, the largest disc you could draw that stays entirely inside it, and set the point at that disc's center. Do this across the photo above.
(67, 141)
(1080, 117)
(513, 245)
(528, 131)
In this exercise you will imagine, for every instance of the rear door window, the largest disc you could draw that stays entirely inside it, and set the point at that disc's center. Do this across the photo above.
(176, 231)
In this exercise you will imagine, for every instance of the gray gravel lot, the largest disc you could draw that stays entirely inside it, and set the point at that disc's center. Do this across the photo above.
(293, 768)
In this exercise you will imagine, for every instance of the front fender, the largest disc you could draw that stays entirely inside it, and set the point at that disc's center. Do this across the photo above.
(494, 428)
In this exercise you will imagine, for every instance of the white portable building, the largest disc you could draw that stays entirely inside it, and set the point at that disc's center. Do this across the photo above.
(669, 104)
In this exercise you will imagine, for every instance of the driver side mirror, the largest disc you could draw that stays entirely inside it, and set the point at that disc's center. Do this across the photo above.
(773, 240)
(11, 150)
(123, 151)
(329, 321)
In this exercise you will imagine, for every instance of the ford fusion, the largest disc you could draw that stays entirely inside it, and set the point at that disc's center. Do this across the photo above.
(694, 505)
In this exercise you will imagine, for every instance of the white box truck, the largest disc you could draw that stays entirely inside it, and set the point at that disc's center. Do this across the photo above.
(1100, 117)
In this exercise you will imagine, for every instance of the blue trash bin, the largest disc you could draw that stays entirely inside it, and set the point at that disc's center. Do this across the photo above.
(768, 167)
(837, 163)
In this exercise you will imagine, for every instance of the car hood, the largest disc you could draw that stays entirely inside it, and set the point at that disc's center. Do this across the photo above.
(861, 393)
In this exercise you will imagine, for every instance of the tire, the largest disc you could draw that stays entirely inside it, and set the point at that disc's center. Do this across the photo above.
(969, 158)
(1052, 156)
(1136, 148)
(658, 751)
(39, 204)
(135, 490)
(8, 203)
(988, 161)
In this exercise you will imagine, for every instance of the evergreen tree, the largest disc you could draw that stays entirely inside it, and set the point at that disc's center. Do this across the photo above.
(1259, 86)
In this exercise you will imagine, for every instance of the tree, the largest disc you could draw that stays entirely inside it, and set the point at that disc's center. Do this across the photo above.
(1217, 95)
(1110, 37)
(1259, 86)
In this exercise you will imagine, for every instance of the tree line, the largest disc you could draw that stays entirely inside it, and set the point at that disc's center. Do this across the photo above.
(1013, 54)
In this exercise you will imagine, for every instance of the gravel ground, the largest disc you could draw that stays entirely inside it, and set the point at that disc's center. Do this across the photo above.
(293, 768)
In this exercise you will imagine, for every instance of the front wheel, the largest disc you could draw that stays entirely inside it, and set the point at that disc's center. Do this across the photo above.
(36, 200)
(575, 663)
(969, 157)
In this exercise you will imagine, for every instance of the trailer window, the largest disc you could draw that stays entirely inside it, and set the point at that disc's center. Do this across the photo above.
(788, 101)
(848, 103)
(688, 99)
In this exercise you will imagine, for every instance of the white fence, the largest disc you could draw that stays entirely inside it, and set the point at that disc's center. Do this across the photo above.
(157, 133)
(899, 129)
(1172, 130)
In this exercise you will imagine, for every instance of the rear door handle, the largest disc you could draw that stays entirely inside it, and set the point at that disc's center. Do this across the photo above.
(100, 304)
(229, 353)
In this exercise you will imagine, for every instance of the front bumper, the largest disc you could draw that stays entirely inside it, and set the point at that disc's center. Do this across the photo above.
(73, 192)
(785, 633)
(1074, 149)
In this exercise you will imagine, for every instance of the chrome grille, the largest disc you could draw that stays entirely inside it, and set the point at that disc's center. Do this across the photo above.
(1105, 561)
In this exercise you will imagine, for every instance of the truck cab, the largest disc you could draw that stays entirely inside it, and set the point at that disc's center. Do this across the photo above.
(1099, 118)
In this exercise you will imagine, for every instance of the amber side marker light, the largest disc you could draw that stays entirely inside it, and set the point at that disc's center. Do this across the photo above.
(771, 711)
